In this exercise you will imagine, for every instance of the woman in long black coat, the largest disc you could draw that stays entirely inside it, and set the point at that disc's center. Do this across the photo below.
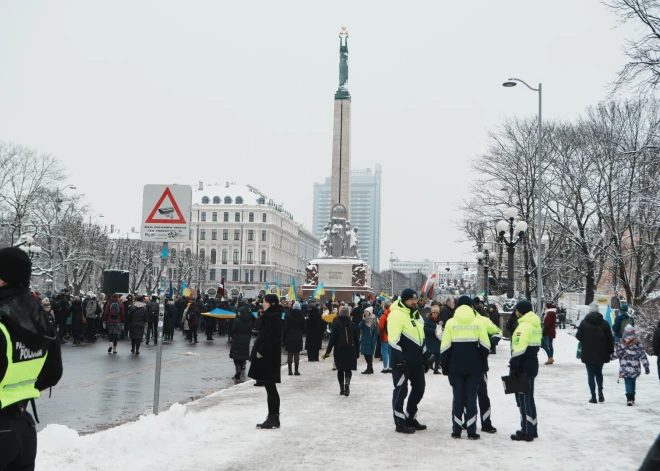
(597, 346)
(241, 334)
(292, 336)
(76, 312)
(266, 358)
(314, 339)
(136, 320)
(169, 320)
(345, 339)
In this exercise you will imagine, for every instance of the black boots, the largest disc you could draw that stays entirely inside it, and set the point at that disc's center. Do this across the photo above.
(488, 428)
(522, 438)
(347, 388)
(405, 429)
(601, 398)
(415, 424)
(341, 390)
(272, 421)
(593, 399)
(630, 398)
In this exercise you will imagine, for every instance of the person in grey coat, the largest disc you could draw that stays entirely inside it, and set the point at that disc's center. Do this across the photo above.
(433, 342)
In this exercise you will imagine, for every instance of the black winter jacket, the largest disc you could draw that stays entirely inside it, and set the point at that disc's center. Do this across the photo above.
(446, 313)
(241, 334)
(345, 355)
(266, 355)
(597, 339)
(136, 319)
(293, 330)
(314, 330)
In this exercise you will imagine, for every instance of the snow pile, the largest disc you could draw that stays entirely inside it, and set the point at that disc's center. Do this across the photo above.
(320, 427)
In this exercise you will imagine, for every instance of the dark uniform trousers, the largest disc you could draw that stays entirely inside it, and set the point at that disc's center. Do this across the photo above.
(18, 441)
(483, 400)
(400, 378)
(465, 398)
(527, 406)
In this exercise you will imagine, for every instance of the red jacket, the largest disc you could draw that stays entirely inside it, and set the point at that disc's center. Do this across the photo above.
(549, 324)
(106, 312)
(382, 326)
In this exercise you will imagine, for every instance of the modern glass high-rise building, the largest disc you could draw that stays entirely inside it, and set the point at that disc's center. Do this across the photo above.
(364, 211)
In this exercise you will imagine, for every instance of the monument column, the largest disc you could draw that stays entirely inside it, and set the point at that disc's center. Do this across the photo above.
(341, 139)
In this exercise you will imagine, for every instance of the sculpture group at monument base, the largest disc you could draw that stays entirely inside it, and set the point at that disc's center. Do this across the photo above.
(342, 294)
(347, 277)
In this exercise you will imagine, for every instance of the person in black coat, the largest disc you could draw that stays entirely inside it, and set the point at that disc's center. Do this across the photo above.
(241, 333)
(169, 321)
(77, 318)
(345, 339)
(266, 358)
(136, 320)
(314, 339)
(597, 346)
(447, 311)
(292, 336)
(656, 345)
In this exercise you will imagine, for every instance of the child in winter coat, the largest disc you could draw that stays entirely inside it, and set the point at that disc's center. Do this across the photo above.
(631, 357)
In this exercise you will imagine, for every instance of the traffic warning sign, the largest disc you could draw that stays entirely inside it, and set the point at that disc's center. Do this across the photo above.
(166, 213)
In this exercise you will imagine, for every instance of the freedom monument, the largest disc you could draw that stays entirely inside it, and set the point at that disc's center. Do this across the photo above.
(338, 264)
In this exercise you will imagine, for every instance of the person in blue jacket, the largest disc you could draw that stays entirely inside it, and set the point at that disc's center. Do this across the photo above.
(368, 338)
(622, 320)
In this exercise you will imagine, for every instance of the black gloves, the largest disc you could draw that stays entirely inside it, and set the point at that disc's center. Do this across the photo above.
(429, 360)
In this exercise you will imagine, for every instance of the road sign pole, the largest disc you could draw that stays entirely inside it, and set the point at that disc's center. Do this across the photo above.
(161, 319)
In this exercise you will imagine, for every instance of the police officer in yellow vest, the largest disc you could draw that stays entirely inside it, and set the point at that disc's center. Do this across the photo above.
(30, 359)
(525, 344)
(463, 354)
(405, 332)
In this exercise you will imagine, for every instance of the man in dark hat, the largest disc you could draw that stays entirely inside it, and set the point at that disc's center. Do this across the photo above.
(30, 359)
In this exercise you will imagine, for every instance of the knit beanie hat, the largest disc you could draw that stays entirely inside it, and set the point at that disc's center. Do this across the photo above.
(593, 307)
(523, 307)
(15, 267)
(272, 299)
(629, 331)
(407, 294)
(296, 306)
(464, 301)
(623, 308)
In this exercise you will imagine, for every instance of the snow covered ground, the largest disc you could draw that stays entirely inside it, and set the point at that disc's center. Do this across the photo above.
(322, 430)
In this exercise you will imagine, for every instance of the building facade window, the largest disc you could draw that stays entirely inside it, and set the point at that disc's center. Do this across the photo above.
(214, 256)
(214, 234)
(237, 217)
(212, 274)
(223, 273)
(224, 256)
(214, 217)
(225, 234)
(263, 218)
(235, 260)
(250, 257)
(263, 257)
(205, 200)
(202, 253)
(251, 276)
(203, 216)
(188, 252)
(261, 200)
(250, 235)
(202, 234)
(237, 234)
(263, 236)
(227, 199)
(216, 200)
(226, 217)
(251, 217)
(239, 200)
(234, 275)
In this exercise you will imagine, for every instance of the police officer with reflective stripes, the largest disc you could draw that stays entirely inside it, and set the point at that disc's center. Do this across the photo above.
(525, 345)
(30, 359)
(463, 353)
(405, 331)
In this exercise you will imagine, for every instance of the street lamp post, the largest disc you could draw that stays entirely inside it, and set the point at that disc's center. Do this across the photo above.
(539, 272)
(485, 258)
(392, 271)
(57, 211)
(30, 247)
(94, 217)
(516, 233)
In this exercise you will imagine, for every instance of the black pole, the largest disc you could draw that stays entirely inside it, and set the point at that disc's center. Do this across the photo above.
(509, 288)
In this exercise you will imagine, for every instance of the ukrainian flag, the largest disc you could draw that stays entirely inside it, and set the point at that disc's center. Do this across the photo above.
(384, 296)
(267, 289)
(292, 289)
(318, 292)
(277, 284)
(333, 294)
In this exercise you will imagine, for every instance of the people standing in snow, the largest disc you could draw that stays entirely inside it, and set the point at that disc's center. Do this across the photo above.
(77, 320)
(153, 309)
(241, 334)
(597, 346)
(632, 356)
(368, 338)
(464, 349)
(345, 340)
(561, 317)
(265, 358)
(447, 311)
(549, 332)
(494, 316)
(433, 342)
(494, 334)
(192, 321)
(405, 330)
(92, 309)
(137, 319)
(382, 332)
(314, 339)
(113, 320)
(169, 320)
(292, 336)
(622, 320)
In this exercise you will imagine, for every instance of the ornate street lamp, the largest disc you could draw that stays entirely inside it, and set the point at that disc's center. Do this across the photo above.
(484, 257)
(30, 247)
(516, 233)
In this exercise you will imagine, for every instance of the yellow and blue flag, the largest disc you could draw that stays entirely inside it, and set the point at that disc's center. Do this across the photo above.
(333, 294)
(277, 284)
(319, 291)
(292, 289)
(267, 289)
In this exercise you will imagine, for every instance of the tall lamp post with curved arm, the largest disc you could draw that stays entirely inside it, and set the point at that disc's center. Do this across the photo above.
(484, 257)
(516, 232)
(512, 82)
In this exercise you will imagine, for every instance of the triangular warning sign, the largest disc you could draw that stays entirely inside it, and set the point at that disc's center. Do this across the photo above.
(166, 213)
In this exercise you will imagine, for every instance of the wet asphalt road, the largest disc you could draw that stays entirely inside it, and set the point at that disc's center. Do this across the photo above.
(98, 390)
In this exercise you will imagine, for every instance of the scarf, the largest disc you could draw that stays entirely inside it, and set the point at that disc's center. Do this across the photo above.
(369, 318)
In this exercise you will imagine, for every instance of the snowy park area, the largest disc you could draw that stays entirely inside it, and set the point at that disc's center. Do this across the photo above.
(323, 430)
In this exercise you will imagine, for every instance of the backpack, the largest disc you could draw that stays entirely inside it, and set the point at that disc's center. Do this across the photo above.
(90, 309)
(56, 305)
(114, 313)
(154, 312)
(346, 337)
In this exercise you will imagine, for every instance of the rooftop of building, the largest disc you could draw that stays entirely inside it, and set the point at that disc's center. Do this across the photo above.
(229, 193)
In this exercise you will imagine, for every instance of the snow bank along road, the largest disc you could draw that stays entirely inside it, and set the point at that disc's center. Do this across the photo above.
(322, 430)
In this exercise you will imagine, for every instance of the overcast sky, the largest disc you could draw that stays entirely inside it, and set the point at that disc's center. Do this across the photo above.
(127, 93)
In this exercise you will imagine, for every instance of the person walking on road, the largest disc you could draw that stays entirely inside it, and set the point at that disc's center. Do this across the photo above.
(597, 346)
(432, 341)
(137, 319)
(632, 356)
(622, 320)
(30, 360)
(345, 340)
(525, 344)
(463, 353)
(241, 334)
(549, 332)
(77, 320)
(192, 321)
(382, 332)
(92, 310)
(292, 334)
(266, 358)
(369, 338)
(113, 318)
(405, 333)
(314, 339)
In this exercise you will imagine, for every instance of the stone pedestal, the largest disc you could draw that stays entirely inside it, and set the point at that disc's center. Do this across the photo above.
(346, 276)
